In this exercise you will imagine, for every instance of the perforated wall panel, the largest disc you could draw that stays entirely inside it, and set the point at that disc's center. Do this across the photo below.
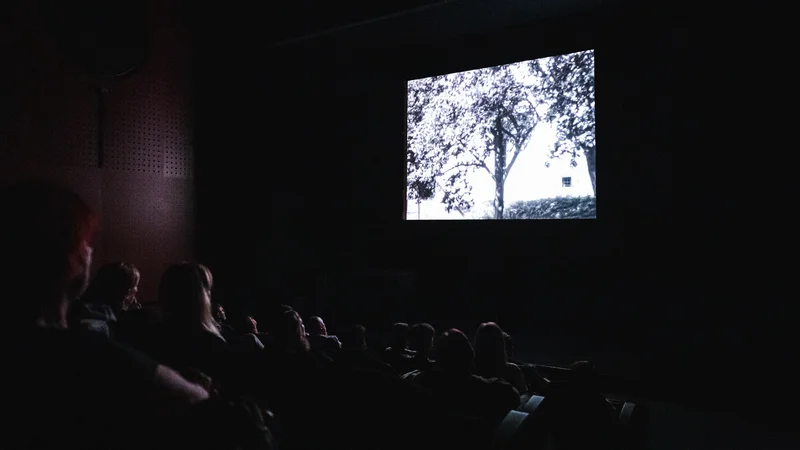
(178, 164)
(74, 132)
(143, 195)
(148, 121)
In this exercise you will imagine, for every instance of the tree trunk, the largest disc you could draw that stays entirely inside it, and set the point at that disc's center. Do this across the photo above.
(499, 203)
(590, 164)
(499, 170)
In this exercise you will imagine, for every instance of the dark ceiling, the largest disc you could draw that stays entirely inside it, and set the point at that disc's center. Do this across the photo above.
(294, 20)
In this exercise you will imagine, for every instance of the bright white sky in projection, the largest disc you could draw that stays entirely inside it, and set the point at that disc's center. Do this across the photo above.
(530, 179)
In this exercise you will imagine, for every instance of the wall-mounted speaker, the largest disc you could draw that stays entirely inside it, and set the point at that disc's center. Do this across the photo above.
(104, 40)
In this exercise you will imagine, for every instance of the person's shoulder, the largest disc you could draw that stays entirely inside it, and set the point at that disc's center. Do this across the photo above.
(514, 367)
(498, 384)
(209, 339)
(227, 331)
(515, 374)
(485, 380)
(513, 371)
(256, 341)
(412, 375)
(332, 342)
(426, 378)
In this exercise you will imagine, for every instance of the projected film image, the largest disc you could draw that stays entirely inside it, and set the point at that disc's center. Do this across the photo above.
(515, 141)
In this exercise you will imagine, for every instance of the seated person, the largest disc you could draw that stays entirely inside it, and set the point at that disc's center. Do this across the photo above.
(421, 340)
(536, 383)
(244, 337)
(319, 339)
(355, 354)
(398, 355)
(221, 318)
(189, 337)
(491, 360)
(108, 296)
(453, 383)
(578, 415)
(59, 371)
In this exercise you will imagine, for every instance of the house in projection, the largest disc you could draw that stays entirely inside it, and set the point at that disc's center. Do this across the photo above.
(561, 179)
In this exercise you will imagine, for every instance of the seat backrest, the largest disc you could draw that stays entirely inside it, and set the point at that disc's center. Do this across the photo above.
(626, 413)
(577, 418)
(632, 427)
(533, 404)
(523, 429)
(508, 432)
(230, 423)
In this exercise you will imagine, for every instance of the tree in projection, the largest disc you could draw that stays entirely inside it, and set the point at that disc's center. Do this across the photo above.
(420, 178)
(567, 85)
(468, 122)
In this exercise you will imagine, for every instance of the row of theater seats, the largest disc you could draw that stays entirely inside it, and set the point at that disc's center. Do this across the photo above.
(530, 428)
(605, 382)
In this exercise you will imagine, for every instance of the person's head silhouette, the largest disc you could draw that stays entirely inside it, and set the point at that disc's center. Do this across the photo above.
(454, 352)
(48, 254)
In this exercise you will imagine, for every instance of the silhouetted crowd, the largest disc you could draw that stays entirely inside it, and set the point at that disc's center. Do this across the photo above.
(89, 367)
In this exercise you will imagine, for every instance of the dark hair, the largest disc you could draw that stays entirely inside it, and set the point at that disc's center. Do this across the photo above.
(509, 345)
(111, 285)
(314, 325)
(273, 320)
(184, 294)
(354, 336)
(243, 324)
(454, 352)
(421, 336)
(400, 335)
(582, 373)
(47, 229)
(490, 350)
(288, 334)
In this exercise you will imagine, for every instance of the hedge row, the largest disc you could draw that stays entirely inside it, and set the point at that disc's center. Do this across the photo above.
(553, 208)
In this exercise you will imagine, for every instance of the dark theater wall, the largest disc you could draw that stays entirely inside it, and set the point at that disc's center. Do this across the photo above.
(301, 174)
(300, 196)
(144, 192)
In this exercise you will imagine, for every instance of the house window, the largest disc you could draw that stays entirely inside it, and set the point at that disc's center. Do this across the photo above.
(566, 181)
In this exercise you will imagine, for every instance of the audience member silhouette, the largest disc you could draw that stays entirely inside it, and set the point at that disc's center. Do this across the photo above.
(289, 334)
(243, 336)
(422, 337)
(189, 338)
(355, 354)
(110, 293)
(221, 318)
(577, 414)
(454, 384)
(398, 355)
(327, 393)
(319, 339)
(46, 265)
(491, 360)
(272, 321)
(295, 379)
(508, 344)
(535, 382)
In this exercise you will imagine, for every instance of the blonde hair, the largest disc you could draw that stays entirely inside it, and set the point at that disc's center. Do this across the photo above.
(185, 296)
